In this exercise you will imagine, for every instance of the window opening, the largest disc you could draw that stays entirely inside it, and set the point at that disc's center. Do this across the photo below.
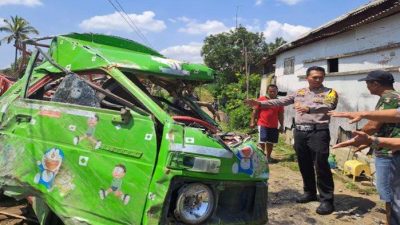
(89, 88)
(333, 65)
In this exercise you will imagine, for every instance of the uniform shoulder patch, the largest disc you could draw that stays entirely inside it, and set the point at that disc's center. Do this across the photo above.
(331, 97)
(301, 91)
(332, 92)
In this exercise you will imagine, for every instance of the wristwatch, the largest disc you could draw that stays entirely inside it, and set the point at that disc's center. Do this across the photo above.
(375, 142)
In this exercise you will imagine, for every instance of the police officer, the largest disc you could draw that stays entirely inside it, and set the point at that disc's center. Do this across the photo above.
(311, 136)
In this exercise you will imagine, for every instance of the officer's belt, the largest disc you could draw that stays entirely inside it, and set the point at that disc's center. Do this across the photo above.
(311, 127)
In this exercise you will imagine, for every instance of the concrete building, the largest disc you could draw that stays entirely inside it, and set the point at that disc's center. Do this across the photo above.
(365, 39)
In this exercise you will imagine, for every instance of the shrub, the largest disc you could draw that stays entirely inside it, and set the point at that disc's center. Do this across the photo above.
(239, 118)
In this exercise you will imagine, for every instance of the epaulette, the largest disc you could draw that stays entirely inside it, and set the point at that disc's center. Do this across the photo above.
(301, 91)
(331, 97)
(332, 92)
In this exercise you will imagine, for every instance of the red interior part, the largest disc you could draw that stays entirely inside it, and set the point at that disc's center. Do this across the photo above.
(203, 123)
(45, 80)
(4, 84)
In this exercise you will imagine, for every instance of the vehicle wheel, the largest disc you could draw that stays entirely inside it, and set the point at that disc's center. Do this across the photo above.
(195, 203)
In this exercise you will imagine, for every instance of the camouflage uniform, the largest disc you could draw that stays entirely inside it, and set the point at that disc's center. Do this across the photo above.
(385, 180)
(389, 100)
(312, 137)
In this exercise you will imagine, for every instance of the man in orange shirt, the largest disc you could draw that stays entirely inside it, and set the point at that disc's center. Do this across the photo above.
(267, 122)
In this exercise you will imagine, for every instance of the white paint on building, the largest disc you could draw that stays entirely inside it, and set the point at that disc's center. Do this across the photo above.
(353, 95)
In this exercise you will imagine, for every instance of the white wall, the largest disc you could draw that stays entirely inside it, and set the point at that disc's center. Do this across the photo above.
(353, 95)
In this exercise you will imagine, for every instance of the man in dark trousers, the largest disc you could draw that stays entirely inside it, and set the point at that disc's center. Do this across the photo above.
(311, 136)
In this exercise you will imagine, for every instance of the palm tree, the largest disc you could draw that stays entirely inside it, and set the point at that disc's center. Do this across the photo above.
(274, 45)
(19, 29)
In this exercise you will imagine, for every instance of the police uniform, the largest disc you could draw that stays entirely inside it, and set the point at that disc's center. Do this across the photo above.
(312, 138)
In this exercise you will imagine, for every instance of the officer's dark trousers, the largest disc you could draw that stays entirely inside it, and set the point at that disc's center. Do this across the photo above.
(312, 149)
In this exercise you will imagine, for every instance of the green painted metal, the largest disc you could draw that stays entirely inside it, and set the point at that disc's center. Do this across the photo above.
(93, 50)
(86, 164)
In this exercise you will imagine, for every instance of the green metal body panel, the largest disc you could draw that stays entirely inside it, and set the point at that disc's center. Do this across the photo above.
(102, 170)
(93, 51)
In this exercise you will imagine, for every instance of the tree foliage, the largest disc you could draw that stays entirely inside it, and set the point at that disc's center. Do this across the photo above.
(224, 52)
(232, 96)
(276, 44)
(18, 29)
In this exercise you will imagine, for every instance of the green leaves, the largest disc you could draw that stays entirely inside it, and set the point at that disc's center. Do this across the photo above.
(225, 52)
(18, 29)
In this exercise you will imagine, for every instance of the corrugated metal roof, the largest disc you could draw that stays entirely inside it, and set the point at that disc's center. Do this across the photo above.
(368, 13)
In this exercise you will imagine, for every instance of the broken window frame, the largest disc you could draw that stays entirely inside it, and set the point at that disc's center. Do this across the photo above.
(171, 87)
(39, 82)
(288, 65)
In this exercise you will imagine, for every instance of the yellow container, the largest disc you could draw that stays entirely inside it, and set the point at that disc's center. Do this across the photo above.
(355, 168)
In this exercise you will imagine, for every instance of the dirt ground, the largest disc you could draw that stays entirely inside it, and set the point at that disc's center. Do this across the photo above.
(352, 208)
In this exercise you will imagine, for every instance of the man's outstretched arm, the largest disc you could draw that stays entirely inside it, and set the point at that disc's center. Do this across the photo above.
(361, 138)
(288, 100)
(387, 115)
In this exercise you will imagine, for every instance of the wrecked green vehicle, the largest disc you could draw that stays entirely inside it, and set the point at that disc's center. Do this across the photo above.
(102, 130)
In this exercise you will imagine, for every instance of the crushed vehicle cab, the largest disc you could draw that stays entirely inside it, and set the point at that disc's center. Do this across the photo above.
(103, 130)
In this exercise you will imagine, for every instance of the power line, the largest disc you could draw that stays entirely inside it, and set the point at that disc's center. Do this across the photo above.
(134, 28)
(137, 28)
(129, 21)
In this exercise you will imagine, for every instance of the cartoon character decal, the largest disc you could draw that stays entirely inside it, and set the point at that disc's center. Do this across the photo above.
(250, 163)
(89, 135)
(245, 161)
(49, 167)
(116, 184)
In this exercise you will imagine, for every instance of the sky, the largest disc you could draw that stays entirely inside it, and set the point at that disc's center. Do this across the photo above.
(176, 28)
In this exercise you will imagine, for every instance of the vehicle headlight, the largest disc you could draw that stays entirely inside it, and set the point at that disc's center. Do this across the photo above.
(195, 203)
(182, 161)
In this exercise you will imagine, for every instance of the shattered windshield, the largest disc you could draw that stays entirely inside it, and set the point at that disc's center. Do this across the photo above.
(97, 89)
(176, 97)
